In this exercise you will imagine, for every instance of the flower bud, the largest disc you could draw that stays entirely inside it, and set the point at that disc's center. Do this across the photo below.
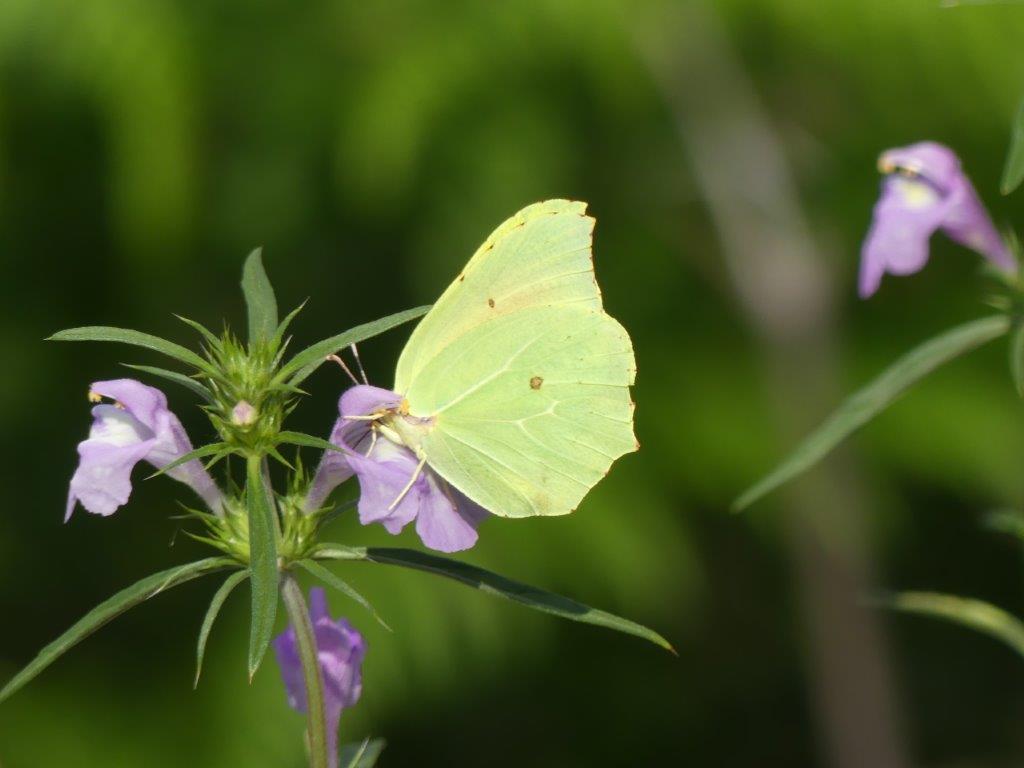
(243, 414)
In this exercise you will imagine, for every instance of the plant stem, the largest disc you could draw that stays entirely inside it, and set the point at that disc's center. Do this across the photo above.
(298, 614)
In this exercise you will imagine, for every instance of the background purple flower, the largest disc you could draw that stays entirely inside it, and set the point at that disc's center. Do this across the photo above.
(139, 426)
(340, 650)
(445, 519)
(924, 190)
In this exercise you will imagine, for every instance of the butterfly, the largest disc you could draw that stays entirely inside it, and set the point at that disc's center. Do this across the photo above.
(514, 387)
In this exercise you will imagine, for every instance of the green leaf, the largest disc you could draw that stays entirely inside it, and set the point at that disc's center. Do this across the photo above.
(864, 405)
(259, 298)
(136, 338)
(1008, 521)
(1017, 358)
(203, 331)
(308, 441)
(216, 604)
(974, 614)
(262, 561)
(329, 578)
(329, 515)
(110, 609)
(283, 327)
(197, 453)
(362, 755)
(492, 583)
(1013, 171)
(309, 359)
(178, 378)
(339, 552)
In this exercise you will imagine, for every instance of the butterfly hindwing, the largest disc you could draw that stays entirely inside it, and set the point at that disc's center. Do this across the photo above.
(530, 410)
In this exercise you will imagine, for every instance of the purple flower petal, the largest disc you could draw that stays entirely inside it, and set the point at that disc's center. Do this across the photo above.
(334, 467)
(447, 520)
(340, 651)
(117, 442)
(140, 427)
(383, 476)
(925, 190)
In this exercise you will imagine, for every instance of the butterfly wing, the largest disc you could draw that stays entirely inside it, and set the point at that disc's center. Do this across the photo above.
(540, 256)
(524, 377)
(530, 409)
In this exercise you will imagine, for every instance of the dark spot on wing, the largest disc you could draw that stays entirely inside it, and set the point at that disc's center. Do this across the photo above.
(535, 382)
(490, 303)
(462, 277)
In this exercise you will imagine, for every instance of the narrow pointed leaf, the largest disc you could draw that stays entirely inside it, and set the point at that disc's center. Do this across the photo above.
(864, 405)
(1007, 521)
(197, 453)
(329, 515)
(283, 327)
(262, 562)
(331, 579)
(308, 441)
(110, 609)
(212, 612)
(276, 454)
(309, 359)
(968, 612)
(209, 336)
(339, 552)
(1017, 358)
(178, 378)
(1013, 171)
(362, 755)
(494, 584)
(135, 338)
(259, 298)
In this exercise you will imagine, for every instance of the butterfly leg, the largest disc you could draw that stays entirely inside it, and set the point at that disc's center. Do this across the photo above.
(408, 486)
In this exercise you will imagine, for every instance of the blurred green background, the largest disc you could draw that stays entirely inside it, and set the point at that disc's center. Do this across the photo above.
(147, 145)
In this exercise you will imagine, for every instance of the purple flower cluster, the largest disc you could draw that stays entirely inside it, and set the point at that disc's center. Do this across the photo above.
(395, 486)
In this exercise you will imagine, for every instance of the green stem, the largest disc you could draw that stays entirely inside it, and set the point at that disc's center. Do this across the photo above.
(298, 614)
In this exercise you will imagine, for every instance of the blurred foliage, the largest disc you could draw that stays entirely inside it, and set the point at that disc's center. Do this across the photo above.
(147, 145)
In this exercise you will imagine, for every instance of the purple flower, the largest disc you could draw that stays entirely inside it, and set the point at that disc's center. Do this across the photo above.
(395, 487)
(924, 190)
(138, 426)
(340, 649)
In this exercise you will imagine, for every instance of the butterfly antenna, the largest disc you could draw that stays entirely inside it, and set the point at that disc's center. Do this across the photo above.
(362, 371)
(345, 368)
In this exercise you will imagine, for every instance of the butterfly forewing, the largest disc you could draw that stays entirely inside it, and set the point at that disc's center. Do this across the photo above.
(540, 256)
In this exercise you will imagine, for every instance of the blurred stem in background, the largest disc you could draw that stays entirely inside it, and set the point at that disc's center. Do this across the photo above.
(784, 290)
